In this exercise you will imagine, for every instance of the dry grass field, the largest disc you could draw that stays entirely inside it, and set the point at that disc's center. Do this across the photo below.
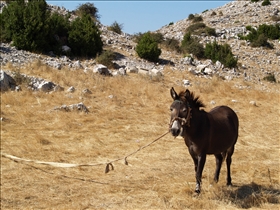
(160, 176)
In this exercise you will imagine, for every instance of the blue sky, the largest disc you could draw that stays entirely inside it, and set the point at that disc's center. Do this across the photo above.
(143, 16)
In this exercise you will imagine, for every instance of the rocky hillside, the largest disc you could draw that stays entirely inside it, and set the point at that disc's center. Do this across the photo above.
(228, 21)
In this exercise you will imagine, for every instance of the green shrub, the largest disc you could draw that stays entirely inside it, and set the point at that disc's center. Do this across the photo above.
(270, 31)
(31, 27)
(270, 78)
(210, 31)
(260, 36)
(25, 24)
(195, 27)
(192, 46)
(84, 37)
(116, 27)
(221, 53)
(197, 19)
(87, 9)
(199, 28)
(213, 13)
(171, 44)
(157, 37)
(266, 2)
(106, 58)
(191, 16)
(58, 34)
(261, 41)
(147, 48)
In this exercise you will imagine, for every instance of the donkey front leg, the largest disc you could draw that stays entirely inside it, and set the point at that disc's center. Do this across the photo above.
(201, 162)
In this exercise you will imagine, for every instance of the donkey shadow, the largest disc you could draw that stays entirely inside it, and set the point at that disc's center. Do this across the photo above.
(252, 195)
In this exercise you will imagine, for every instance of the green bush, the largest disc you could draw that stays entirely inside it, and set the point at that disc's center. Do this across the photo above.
(106, 58)
(58, 34)
(25, 24)
(197, 19)
(116, 27)
(195, 27)
(213, 13)
(260, 36)
(87, 9)
(266, 2)
(191, 16)
(261, 41)
(270, 78)
(84, 37)
(221, 53)
(157, 37)
(210, 31)
(32, 27)
(270, 31)
(199, 28)
(192, 46)
(147, 48)
(171, 44)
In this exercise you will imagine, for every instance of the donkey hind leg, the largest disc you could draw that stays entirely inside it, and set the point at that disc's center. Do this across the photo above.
(200, 166)
(219, 161)
(228, 160)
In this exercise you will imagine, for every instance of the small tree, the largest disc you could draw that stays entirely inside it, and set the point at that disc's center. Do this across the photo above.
(24, 24)
(147, 48)
(191, 16)
(87, 9)
(84, 37)
(58, 26)
(192, 46)
(266, 2)
(116, 27)
(221, 53)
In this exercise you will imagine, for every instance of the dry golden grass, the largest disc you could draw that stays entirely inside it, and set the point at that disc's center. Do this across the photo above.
(160, 176)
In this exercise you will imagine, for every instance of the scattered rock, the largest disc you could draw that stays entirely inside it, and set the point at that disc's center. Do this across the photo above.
(86, 91)
(71, 89)
(253, 103)
(46, 86)
(101, 69)
(73, 107)
(6, 81)
(186, 83)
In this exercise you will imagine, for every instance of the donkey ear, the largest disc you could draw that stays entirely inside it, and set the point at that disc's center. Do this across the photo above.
(173, 93)
(187, 93)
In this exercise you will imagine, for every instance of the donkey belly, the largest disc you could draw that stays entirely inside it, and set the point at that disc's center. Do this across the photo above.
(220, 143)
(224, 130)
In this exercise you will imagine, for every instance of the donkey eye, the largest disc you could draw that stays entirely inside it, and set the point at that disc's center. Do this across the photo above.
(171, 109)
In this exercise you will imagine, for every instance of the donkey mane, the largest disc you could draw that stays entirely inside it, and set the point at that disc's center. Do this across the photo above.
(191, 98)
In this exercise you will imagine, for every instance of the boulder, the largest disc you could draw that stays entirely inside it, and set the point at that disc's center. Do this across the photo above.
(65, 49)
(155, 72)
(200, 68)
(101, 69)
(6, 81)
(46, 86)
(71, 89)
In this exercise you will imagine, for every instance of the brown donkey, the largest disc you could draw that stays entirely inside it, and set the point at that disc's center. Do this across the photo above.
(213, 132)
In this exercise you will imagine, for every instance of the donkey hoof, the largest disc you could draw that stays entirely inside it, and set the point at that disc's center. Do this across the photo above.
(197, 190)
